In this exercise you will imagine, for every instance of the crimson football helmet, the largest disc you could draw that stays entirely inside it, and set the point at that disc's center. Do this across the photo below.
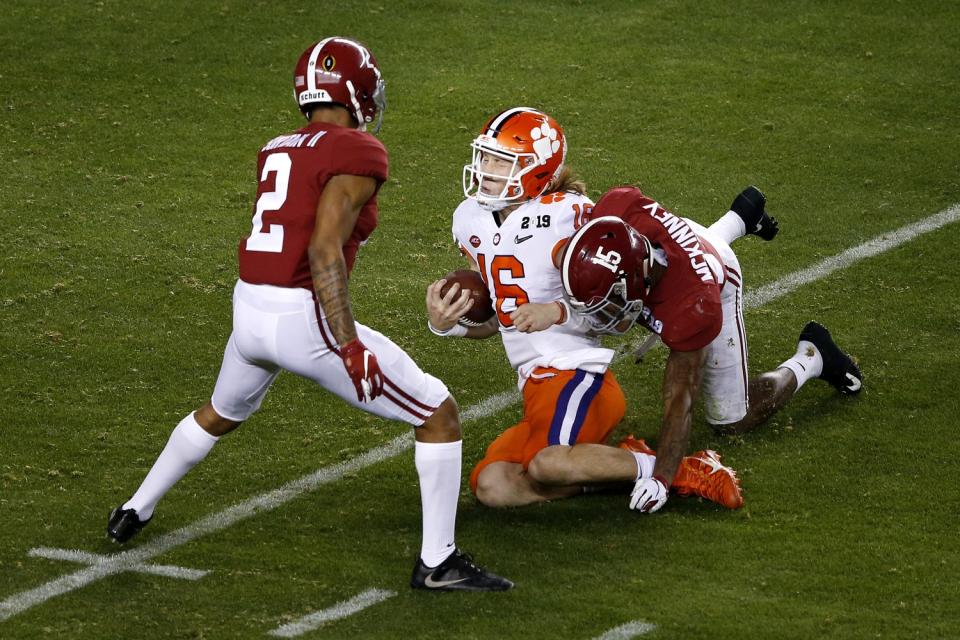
(341, 71)
(606, 273)
(531, 148)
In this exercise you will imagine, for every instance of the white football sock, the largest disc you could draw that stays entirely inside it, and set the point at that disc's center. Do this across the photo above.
(438, 464)
(729, 227)
(645, 463)
(806, 364)
(188, 445)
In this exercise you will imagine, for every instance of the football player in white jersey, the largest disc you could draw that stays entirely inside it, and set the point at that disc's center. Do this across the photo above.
(521, 205)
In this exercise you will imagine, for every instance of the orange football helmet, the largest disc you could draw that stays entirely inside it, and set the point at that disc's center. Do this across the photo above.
(531, 148)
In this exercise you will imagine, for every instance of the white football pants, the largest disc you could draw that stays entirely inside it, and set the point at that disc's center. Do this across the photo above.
(278, 328)
(725, 378)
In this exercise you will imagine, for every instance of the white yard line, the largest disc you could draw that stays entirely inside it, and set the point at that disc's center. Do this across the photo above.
(627, 631)
(822, 269)
(84, 557)
(128, 560)
(349, 607)
(131, 559)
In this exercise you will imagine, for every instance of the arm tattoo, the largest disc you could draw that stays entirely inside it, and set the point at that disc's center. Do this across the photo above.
(330, 283)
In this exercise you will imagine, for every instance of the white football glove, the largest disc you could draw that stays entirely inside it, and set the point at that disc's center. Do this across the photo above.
(648, 495)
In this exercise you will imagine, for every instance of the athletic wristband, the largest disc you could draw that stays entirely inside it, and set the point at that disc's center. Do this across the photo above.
(456, 331)
(564, 311)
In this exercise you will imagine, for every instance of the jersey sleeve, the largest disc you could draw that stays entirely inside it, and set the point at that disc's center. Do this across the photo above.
(360, 154)
(619, 202)
(701, 321)
(460, 231)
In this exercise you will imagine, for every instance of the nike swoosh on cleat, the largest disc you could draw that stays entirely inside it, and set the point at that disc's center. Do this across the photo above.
(518, 239)
(439, 584)
(715, 465)
(854, 382)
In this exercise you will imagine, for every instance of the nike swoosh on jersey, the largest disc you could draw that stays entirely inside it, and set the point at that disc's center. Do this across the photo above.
(518, 239)
(439, 584)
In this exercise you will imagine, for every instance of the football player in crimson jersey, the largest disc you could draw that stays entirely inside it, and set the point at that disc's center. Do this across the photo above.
(316, 204)
(521, 203)
(634, 261)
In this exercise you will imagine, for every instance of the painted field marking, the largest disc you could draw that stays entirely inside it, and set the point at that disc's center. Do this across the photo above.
(120, 562)
(126, 560)
(84, 557)
(349, 607)
(627, 631)
(868, 249)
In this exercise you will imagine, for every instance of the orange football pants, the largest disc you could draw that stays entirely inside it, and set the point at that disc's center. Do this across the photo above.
(559, 408)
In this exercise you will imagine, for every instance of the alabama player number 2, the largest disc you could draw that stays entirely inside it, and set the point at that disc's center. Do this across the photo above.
(272, 240)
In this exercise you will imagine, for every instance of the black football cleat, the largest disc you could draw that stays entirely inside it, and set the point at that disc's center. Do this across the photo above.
(749, 205)
(839, 369)
(124, 524)
(456, 573)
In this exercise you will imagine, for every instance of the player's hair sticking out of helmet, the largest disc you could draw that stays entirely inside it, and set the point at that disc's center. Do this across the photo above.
(568, 182)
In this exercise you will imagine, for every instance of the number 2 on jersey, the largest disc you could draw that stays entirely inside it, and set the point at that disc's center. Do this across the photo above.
(503, 291)
(272, 240)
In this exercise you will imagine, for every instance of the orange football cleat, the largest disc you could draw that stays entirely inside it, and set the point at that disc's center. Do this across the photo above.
(703, 475)
(700, 474)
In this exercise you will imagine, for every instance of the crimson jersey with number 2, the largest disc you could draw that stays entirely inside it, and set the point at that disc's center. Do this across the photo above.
(292, 171)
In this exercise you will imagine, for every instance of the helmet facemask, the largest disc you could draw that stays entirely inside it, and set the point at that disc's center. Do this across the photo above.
(611, 314)
(607, 250)
(379, 98)
(494, 191)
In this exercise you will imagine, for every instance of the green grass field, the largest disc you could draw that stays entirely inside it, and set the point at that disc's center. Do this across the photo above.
(128, 138)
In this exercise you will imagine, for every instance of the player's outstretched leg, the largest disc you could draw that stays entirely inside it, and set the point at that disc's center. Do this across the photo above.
(749, 205)
(457, 573)
(189, 443)
(437, 456)
(839, 369)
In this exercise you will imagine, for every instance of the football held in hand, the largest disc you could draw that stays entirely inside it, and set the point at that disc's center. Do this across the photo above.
(482, 309)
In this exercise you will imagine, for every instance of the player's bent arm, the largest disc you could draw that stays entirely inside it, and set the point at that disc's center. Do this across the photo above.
(537, 316)
(340, 203)
(681, 383)
(489, 328)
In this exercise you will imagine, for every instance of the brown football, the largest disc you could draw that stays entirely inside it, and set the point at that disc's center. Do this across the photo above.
(482, 309)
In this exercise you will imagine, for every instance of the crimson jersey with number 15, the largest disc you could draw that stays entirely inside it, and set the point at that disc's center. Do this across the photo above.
(684, 306)
(292, 171)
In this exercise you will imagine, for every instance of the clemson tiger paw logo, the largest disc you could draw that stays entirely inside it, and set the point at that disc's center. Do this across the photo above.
(545, 142)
